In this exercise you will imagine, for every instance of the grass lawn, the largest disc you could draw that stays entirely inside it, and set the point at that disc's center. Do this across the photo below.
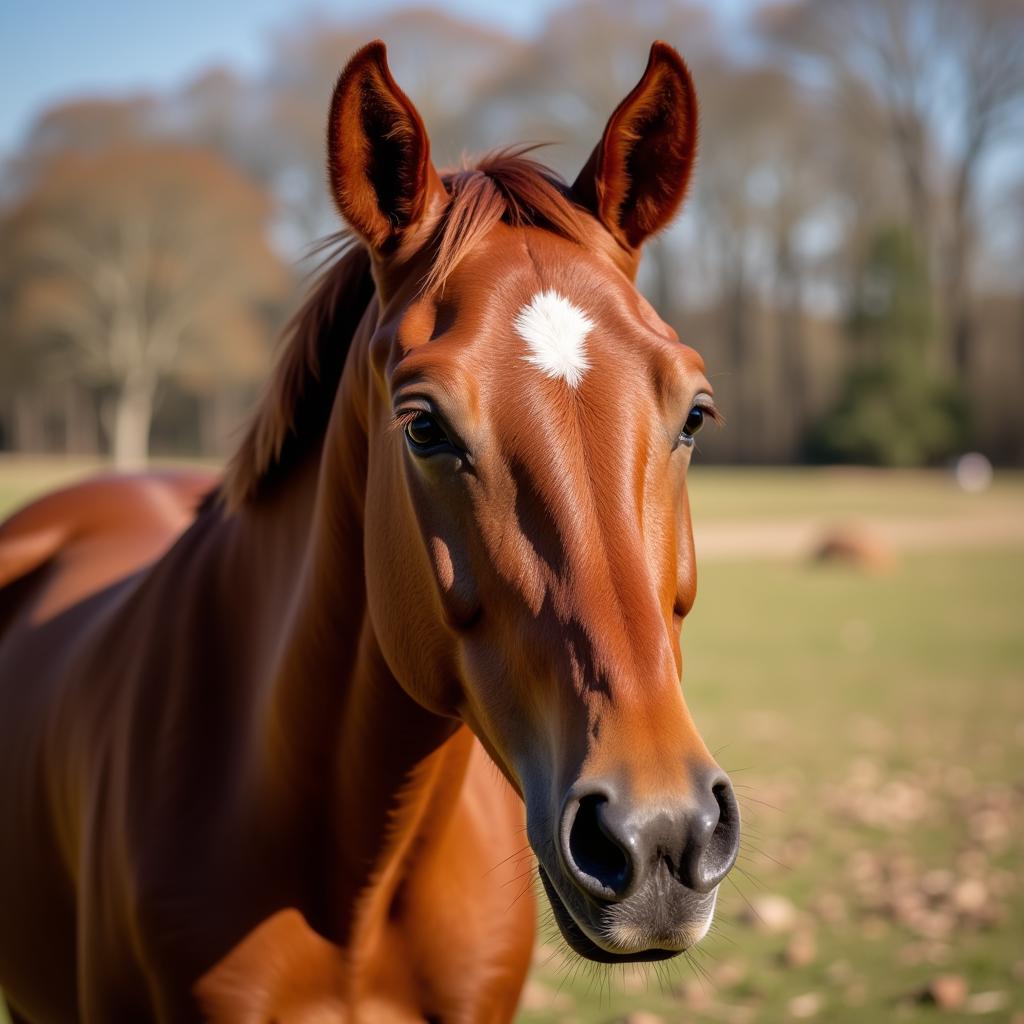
(721, 493)
(874, 726)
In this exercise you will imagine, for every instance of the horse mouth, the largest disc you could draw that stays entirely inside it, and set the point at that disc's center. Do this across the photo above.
(580, 941)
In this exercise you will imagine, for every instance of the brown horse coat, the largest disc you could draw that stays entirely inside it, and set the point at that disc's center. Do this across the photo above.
(240, 776)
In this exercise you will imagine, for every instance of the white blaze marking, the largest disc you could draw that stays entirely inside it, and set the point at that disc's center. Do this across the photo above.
(555, 331)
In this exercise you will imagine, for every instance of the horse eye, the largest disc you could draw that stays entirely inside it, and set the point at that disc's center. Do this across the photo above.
(693, 423)
(425, 434)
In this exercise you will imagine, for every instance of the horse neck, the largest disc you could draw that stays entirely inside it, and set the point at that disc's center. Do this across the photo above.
(346, 758)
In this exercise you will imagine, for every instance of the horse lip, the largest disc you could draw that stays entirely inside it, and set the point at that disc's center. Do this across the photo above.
(580, 939)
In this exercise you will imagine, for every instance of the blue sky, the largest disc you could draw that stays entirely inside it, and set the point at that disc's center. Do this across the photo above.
(53, 49)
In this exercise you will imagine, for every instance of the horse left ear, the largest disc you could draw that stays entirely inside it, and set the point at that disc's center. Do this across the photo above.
(378, 152)
(636, 177)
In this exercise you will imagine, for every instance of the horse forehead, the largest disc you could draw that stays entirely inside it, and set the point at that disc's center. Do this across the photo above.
(568, 326)
(529, 315)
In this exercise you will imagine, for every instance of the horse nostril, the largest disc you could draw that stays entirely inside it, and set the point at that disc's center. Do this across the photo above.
(609, 846)
(596, 856)
(717, 853)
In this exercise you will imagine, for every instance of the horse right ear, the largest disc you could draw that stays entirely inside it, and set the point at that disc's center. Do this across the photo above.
(378, 153)
(637, 175)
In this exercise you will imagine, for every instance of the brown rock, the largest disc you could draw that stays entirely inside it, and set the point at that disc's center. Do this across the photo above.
(946, 991)
(800, 951)
(970, 895)
(855, 547)
(771, 912)
(805, 1006)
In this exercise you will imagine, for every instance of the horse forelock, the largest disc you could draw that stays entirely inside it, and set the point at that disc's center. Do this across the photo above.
(506, 186)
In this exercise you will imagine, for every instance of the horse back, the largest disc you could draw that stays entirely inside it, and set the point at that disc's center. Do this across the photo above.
(93, 533)
(66, 561)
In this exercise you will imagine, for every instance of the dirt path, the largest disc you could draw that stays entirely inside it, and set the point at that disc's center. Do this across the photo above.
(799, 538)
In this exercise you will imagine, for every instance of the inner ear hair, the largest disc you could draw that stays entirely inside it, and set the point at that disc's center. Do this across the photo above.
(394, 156)
(636, 178)
(658, 141)
(378, 150)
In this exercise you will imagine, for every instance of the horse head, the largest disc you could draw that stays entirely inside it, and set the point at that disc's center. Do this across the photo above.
(530, 423)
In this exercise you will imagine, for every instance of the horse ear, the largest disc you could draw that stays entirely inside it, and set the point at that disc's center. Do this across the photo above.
(378, 153)
(637, 175)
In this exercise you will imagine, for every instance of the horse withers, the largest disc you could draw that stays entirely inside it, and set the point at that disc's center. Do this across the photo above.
(265, 756)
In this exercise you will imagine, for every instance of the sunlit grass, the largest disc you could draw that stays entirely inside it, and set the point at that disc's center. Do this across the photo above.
(729, 493)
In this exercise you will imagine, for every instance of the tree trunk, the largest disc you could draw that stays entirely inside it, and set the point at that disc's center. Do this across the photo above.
(961, 341)
(744, 426)
(958, 313)
(661, 295)
(789, 318)
(80, 426)
(29, 432)
(219, 416)
(133, 413)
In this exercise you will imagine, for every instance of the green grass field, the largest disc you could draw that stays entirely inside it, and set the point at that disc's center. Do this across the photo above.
(874, 726)
(724, 493)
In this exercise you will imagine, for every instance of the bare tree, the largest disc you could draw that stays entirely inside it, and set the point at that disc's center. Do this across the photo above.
(766, 185)
(948, 79)
(139, 259)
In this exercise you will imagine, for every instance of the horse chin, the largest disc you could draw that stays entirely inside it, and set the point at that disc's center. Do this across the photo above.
(580, 940)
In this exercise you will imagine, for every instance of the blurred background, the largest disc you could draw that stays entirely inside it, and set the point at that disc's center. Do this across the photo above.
(851, 265)
(851, 260)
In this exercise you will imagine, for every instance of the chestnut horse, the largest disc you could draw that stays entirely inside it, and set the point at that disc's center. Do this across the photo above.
(248, 744)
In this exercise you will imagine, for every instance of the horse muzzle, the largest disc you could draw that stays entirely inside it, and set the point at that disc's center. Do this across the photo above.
(638, 881)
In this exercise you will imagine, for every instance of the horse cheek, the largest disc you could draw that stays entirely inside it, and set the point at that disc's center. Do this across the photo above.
(455, 583)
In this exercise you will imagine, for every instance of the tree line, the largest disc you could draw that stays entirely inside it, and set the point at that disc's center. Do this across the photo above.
(850, 262)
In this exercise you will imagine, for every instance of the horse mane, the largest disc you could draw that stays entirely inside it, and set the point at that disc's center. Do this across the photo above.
(292, 415)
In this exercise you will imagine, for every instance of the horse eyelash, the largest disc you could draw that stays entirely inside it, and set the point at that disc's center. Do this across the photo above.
(403, 417)
(713, 413)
